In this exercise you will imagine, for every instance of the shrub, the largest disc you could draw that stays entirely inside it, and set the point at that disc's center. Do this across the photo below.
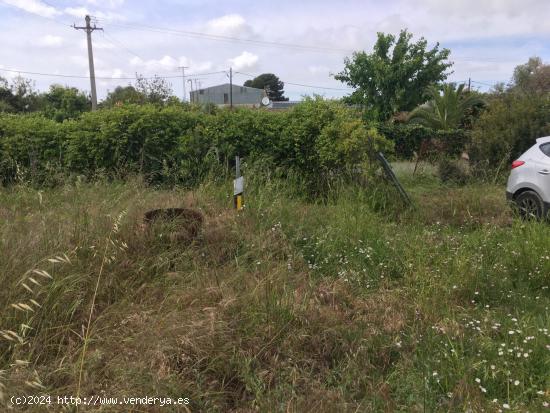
(63, 102)
(323, 138)
(177, 144)
(132, 138)
(408, 139)
(29, 142)
(507, 128)
(452, 171)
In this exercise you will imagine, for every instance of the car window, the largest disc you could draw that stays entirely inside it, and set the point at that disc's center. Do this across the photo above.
(545, 148)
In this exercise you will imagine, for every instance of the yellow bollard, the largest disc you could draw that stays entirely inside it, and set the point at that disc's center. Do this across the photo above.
(239, 202)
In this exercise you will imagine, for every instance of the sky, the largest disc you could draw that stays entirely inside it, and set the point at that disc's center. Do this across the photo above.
(303, 42)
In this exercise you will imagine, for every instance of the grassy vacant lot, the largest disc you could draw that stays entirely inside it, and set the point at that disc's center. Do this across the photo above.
(352, 305)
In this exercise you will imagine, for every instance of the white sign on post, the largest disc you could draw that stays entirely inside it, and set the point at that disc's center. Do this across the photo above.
(238, 185)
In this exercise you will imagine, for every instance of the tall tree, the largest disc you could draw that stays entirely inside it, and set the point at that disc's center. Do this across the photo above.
(63, 102)
(273, 86)
(532, 77)
(122, 95)
(394, 77)
(447, 109)
(17, 96)
(155, 90)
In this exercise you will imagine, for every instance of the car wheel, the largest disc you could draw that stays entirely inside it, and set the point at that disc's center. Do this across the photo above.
(530, 205)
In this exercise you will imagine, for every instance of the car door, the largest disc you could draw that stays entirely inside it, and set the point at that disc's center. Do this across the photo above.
(543, 171)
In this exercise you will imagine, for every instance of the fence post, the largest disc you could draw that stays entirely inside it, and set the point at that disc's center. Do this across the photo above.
(389, 173)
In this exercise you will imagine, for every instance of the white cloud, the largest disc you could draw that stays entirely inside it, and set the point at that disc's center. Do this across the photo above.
(169, 64)
(34, 7)
(76, 11)
(198, 67)
(98, 44)
(154, 65)
(487, 38)
(80, 60)
(81, 12)
(114, 73)
(491, 8)
(50, 41)
(7, 75)
(474, 19)
(112, 4)
(245, 60)
(314, 69)
(229, 25)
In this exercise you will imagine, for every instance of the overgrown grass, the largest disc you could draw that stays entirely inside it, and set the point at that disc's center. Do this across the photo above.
(353, 304)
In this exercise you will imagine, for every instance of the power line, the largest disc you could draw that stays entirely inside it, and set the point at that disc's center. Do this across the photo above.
(302, 84)
(193, 75)
(257, 42)
(100, 77)
(38, 15)
(209, 36)
(319, 87)
(116, 43)
(201, 35)
(477, 59)
(216, 37)
(485, 84)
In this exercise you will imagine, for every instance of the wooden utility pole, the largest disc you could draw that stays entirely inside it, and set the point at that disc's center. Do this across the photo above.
(89, 29)
(469, 84)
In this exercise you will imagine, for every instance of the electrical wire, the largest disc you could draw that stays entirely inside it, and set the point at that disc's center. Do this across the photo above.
(116, 43)
(190, 76)
(485, 84)
(209, 36)
(102, 77)
(301, 84)
(257, 42)
(231, 39)
(38, 15)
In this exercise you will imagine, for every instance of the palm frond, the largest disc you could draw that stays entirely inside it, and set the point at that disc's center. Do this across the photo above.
(445, 109)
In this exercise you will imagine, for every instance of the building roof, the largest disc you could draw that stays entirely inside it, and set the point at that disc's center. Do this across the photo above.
(228, 85)
(283, 104)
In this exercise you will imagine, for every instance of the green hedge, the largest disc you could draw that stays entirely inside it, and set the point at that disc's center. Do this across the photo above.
(31, 142)
(509, 126)
(315, 139)
(409, 137)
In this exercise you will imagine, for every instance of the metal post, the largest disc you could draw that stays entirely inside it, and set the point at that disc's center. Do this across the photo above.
(183, 81)
(192, 97)
(391, 175)
(231, 87)
(238, 186)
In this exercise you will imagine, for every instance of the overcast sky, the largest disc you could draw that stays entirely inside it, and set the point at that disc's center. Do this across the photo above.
(487, 38)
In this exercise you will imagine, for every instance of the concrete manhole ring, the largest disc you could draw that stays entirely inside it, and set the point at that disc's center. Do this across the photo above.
(175, 224)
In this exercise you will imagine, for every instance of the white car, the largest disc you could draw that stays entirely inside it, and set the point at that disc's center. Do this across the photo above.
(529, 182)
